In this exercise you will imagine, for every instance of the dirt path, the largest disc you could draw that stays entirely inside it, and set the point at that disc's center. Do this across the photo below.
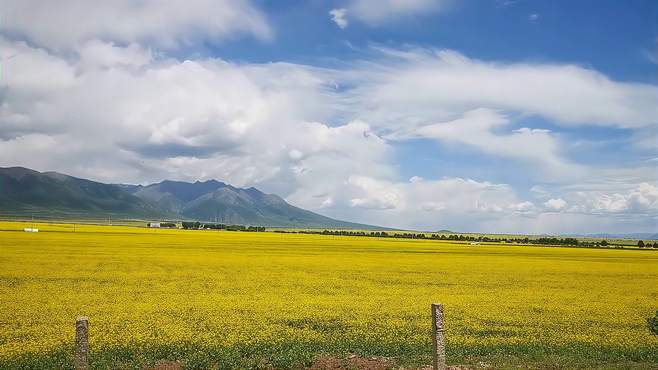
(352, 362)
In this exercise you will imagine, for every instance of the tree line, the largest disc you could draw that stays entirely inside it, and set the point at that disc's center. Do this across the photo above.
(567, 241)
(454, 237)
(196, 225)
(642, 244)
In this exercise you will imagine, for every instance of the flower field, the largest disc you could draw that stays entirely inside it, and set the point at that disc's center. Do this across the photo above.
(217, 299)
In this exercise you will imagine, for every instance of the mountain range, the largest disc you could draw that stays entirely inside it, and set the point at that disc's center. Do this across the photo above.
(25, 192)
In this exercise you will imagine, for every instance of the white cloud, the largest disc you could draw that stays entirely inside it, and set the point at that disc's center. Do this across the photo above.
(96, 54)
(65, 24)
(478, 128)
(25, 68)
(525, 206)
(641, 199)
(425, 204)
(160, 112)
(458, 204)
(339, 17)
(623, 199)
(433, 206)
(555, 204)
(506, 3)
(377, 11)
(539, 191)
(338, 158)
(375, 194)
(533, 17)
(295, 154)
(327, 203)
(407, 89)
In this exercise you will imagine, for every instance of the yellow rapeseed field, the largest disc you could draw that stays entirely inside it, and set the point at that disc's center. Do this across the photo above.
(248, 300)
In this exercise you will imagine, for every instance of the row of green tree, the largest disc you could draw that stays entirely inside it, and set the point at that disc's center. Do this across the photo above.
(196, 225)
(472, 238)
(455, 237)
(642, 244)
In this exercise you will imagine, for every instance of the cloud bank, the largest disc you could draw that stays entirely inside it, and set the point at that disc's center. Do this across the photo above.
(65, 24)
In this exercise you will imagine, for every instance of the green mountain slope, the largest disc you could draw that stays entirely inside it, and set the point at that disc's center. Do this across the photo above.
(219, 202)
(25, 192)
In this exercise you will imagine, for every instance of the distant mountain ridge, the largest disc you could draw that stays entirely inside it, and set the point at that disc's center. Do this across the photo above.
(633, 236)
(24, 191)
(219, 202)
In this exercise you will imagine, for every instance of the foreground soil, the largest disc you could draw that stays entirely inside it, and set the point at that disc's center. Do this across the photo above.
(333, 363)
(369, 363)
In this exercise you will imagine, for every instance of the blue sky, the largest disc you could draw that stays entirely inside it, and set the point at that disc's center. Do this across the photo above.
(609, 36)
(493, 116)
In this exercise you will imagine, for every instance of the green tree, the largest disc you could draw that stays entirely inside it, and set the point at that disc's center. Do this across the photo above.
(640, 244)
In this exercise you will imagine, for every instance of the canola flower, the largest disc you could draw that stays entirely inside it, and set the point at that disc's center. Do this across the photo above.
(261, 300)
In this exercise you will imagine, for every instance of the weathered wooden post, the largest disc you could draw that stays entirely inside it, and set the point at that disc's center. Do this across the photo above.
(438, 337)
(82, 343)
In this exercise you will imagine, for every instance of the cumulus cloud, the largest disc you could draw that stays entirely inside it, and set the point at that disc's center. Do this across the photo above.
(426, 204)
(641, 199)
(555, 204)
(158, 111)
(525, 206)
(457, 204)
(65, 24)
(339, 17)
(375, 194)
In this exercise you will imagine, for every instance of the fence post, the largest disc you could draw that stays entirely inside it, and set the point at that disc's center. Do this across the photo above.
(82, 343)
(438, 337)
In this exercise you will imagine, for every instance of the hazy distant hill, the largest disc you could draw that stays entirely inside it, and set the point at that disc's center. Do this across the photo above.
(25, 192)
(634, 236)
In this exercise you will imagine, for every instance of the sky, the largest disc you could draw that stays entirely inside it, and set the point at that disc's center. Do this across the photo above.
(502, 116)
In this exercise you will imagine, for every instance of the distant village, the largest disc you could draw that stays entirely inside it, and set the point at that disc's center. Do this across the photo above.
(195, 225)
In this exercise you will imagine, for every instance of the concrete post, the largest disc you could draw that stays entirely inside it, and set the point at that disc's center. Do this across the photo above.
(82, 343)
(438, 337)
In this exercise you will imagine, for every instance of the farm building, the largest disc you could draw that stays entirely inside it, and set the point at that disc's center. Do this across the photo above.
(162, 225)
